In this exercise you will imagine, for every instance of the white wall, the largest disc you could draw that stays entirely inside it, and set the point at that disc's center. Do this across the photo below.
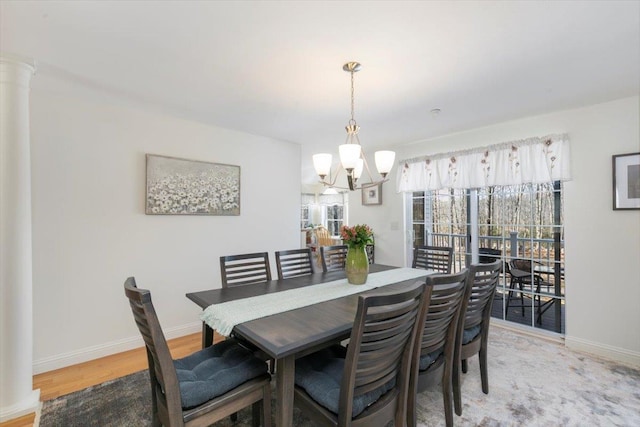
(602, 246)
(90, 231)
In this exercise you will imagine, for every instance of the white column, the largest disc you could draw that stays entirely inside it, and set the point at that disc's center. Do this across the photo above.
(17, 396)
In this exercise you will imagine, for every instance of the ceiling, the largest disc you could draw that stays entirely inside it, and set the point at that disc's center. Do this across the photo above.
(275, 68)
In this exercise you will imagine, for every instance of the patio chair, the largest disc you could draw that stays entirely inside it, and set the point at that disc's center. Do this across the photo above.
(245, 269)
(434, 355)
(473, 325)
(333, 257)
(294, 263)
(528, 285)
(205, 386)
(437, 258)
(366, 383)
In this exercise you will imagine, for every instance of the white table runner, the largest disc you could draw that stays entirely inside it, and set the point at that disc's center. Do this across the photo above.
(223, 317)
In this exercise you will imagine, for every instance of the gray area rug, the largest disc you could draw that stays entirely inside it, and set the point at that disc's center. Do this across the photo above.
(532, 382)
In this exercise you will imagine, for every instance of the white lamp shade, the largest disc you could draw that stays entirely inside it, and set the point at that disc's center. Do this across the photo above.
(349, 155)
(384, 161)
(358, 169)
(322, 163)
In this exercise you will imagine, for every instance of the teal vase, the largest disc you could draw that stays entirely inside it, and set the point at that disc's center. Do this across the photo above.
(357, 265)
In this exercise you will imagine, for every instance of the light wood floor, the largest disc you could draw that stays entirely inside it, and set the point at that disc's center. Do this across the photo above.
(73, 378)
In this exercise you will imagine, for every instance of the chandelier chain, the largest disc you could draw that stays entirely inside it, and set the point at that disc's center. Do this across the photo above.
(352, 121)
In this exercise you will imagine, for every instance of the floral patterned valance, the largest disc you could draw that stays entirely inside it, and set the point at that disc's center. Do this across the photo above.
(533, 160)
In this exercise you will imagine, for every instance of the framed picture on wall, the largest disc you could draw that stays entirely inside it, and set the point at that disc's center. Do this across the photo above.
(372, 195)
(626, 181)
(191, 187)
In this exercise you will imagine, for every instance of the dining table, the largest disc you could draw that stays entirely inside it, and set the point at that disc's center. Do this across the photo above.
(293, 333)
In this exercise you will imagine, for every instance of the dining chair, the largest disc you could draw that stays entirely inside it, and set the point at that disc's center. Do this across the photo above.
(323, 238)
(472, 336)
(245, 269)
(433, 356)
(205, 386)
(242, 270)
(333, 257)
(294, 263)
(438, 258)
(366, 383)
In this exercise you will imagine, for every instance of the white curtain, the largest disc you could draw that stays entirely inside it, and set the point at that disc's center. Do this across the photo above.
(533, 160)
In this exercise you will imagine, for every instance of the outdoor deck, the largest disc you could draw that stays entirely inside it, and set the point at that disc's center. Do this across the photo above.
(515, 315)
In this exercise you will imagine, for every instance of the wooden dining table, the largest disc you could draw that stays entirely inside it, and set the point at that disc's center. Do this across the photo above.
(291, 334)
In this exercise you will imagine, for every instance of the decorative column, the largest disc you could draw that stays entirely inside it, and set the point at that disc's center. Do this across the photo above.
(17, 396)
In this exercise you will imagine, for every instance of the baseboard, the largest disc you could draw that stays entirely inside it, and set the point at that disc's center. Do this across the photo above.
(27, 406)
(615, 354)
(95, 352)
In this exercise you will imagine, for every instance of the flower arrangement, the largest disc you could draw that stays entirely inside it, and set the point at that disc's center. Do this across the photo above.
(357, 236)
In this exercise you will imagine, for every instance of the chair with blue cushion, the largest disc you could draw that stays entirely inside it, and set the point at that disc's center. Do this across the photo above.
(434, 355)
(204, 387)
(366, 383)
(473, 325)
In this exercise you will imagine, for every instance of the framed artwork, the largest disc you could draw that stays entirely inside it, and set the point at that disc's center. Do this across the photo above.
(372, 195)
(191, 187)
(626, 181)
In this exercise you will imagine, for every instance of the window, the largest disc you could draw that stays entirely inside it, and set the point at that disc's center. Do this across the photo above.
(304, 217)
(334, 211)
(519, 222)
(328, 210)
(335, 218)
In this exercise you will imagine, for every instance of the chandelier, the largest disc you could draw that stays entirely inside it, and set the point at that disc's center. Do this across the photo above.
(352, 157)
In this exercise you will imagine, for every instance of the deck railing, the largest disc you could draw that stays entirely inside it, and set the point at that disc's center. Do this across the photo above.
(542, 251)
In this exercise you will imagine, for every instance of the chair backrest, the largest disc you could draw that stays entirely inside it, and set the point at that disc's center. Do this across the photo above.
(323, 238)
(293, 263)
(333, 257)
(438, 258)
(521, 264)
(476, 309)
(164, 380)
(448, 291)
(488, 255)
(380, 349)
(245, 269)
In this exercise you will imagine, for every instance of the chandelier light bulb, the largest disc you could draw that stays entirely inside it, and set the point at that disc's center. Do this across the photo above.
(357, 171)
(384, 161)
(322, 164)
(349, 155)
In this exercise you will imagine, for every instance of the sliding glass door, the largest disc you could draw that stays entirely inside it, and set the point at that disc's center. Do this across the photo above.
(521, 225)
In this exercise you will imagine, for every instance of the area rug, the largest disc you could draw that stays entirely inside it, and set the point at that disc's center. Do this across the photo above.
(532, 382)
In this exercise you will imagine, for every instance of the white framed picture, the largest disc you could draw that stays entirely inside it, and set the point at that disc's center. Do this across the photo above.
(372, 195)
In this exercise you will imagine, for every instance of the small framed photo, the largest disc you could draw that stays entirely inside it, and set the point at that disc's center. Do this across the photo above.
(372, 195)
(626, 181)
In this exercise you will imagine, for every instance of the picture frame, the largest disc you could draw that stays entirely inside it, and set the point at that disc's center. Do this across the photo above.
(372, 195)
(626, 181)
(176, 186)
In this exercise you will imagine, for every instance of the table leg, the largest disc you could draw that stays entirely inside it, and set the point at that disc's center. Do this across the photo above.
(207, 335)
(285, 371)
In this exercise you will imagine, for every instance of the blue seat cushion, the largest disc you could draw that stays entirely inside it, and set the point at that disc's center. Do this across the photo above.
(469, 334)
(320, 375)
(428, 359)
(215, 370)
